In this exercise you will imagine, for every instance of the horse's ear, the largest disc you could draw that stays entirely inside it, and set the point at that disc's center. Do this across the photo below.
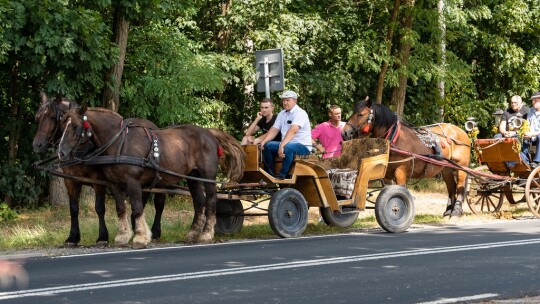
(58, 99)
(82, 110)
(43, 97)
(368, 101)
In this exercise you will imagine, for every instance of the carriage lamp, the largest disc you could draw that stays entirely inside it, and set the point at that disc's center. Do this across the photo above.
(497, 115)
(470, 124)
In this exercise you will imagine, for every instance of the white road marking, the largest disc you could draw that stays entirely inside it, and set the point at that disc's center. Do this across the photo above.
(461, 299)
(252, 269)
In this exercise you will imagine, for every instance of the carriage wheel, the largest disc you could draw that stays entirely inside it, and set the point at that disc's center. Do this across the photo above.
(394, 209)
(483, 196)
(532, 192)
(337, 219)
(229, 216)
(288, 213)
(515, 194)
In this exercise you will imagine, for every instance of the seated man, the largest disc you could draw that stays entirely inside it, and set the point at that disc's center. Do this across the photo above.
(264, 121)
(329, 133)
(532, 136)
(293, 124)
(516, 107)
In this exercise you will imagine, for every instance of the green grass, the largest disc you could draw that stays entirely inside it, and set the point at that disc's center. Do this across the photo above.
(49, 227)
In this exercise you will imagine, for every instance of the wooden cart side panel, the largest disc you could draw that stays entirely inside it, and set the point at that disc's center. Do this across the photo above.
(495, 153)
(371, 168)
(323, 194)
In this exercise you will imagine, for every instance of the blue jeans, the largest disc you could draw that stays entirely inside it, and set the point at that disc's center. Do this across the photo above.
(291, 149)
(525, 149)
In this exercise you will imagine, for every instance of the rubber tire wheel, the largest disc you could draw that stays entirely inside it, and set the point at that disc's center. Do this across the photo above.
(394, 209)
(229, 216)
(336, 219)
(532, 192)
(483, 196)
(288, 213)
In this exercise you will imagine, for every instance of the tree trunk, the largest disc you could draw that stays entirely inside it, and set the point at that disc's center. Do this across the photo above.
(111, 91)
(15, 123)
(389, 37)
(440, 84)
(399, 92)
(88, 196)
(224, 33)
(58, 195)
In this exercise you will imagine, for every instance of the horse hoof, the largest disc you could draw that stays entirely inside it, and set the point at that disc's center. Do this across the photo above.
(138, 245)
(102, 244)
(447, 213)
(456, 214)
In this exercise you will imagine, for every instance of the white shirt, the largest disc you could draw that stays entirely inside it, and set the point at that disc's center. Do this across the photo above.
(296, 116)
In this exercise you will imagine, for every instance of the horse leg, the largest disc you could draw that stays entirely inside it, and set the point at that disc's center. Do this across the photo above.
(460, 193)
(74, 190)
(207, 235)
(103, 238)
(159, 205)
(197, 195)
(448, 177)
(124, 229)
(143, 235)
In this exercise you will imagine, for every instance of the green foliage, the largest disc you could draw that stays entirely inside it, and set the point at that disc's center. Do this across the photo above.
(19, 184)
(7, 214)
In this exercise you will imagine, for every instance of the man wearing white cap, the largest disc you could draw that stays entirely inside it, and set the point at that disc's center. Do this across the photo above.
(293, 123)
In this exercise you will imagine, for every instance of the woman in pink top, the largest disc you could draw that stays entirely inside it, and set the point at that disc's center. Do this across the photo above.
(329, 134)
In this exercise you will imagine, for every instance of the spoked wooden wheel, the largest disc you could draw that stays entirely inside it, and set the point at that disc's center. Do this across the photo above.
(483, 196)
(532, 192)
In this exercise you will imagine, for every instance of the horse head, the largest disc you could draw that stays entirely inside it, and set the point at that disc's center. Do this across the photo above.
(76, 133)
(48, 117)
(361, 121)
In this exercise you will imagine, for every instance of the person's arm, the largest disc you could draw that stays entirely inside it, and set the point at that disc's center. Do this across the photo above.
(315, 133)
(254, 127)
(269, 135)
(288, 137)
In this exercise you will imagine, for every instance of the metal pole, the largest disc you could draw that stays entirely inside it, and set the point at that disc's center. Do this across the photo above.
(266, 78)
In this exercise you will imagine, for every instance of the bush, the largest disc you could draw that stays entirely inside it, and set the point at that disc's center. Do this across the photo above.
(6, 213)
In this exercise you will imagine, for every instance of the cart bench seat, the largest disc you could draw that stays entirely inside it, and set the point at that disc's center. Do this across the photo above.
(501, 155)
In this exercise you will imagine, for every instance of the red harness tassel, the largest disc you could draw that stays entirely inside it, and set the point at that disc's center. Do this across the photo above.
(219, 152)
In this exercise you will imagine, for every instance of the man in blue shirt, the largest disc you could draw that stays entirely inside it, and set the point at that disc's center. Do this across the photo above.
(293, 123)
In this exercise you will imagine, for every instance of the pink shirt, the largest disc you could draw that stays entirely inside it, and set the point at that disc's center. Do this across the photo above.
(330, 137)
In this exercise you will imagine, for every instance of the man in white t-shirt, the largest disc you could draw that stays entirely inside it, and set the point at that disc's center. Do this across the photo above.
(293, 123)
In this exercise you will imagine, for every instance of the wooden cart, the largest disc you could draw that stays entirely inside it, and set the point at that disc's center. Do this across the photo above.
(313, 184)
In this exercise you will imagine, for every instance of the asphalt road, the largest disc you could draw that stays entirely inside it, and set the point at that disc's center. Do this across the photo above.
(441, 265)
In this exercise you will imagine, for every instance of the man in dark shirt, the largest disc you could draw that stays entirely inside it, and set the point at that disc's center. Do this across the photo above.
(263, 122)
(516, 107)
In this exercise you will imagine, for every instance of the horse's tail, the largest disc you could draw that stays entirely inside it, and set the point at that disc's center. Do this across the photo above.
(234, 160)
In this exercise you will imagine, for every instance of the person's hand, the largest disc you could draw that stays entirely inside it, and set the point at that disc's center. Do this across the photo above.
(259, 115)
(320, 148)
(281, 152)
(12, 273)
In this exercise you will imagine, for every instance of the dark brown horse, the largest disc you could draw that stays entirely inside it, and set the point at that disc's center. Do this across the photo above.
(376, 120)
(168, 155)
(48, 134)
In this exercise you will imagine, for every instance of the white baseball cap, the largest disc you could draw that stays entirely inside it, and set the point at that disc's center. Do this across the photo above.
(289, 94)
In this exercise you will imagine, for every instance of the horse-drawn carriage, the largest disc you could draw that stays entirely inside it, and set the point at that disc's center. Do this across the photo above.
(502, 174)
(143, 156)
(338, 186)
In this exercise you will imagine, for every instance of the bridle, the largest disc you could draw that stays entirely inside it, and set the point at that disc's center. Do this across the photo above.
(58, 114)
(366, 127)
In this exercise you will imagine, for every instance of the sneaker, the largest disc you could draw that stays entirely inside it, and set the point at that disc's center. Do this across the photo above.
(534, 165)
(280, 177)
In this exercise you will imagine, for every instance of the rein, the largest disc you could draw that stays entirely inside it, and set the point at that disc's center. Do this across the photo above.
(95, 158)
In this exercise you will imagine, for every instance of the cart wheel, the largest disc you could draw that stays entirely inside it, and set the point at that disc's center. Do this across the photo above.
(483, 196)
(394, 209)
(334, 218)
(532, 192)
(288, 213)
(229, 218)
